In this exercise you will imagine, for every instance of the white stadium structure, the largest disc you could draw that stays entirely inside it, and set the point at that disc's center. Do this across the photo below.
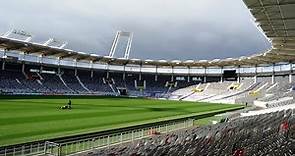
(265, 80)
(275, 18)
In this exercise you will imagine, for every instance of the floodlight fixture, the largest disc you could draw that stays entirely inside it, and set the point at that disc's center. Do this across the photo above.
(21, 33)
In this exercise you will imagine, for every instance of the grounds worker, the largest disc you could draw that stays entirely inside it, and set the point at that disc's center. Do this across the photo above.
(70, 104)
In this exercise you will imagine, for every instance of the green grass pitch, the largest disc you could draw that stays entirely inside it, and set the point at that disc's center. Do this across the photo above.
(23, 120)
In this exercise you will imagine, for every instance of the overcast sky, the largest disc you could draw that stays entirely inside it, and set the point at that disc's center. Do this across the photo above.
(163, 29)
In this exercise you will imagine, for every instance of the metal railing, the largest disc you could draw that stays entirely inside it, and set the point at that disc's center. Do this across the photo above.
(73, 147)
(103, 141)
(23, 150)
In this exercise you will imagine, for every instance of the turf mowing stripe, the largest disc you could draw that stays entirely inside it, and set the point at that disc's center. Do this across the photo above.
(24, 120)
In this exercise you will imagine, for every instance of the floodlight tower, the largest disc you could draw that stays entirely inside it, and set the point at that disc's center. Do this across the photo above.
(22, 36)
(120, 34)
(21, 33)
(56, 43)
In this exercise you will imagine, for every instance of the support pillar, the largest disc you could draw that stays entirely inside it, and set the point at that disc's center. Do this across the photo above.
(124, 76)
(23, 67)
(41, 69)
(23, 56)
(273, 74)
(221, 77)
(58, 70)
(205, 75)
(108, 74)
(91, 68)
(272, 79)
(290, 74)
(156, 76)
(40, 59)
(255, 76)
(59, 61)
(140, 72)
(76, 72)
(3, 65)
(239, 74)
(172, 75)
(124, 73)
(23, 70)
(188, 74)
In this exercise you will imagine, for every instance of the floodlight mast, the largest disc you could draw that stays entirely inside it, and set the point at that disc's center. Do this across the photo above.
(120, 34)
(61, 44)
(48, 42)
(7, 33)
(28, 36)
(114, 44)
(128, 48)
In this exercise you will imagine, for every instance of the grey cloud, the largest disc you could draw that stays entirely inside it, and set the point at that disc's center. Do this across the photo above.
(163, 29)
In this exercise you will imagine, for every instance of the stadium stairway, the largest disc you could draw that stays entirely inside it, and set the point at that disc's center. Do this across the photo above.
(64, 83)
(82, 85)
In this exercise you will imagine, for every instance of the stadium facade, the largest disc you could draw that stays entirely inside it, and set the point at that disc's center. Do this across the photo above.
(276, 19)
(30, 59)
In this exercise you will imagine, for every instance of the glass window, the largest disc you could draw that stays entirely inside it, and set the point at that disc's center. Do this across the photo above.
(179, 70)
(214, 70)
(148, 69)
(99, 66)
(116, 68)
(132, 68)
(247, 70)
(67, 63)
(165, 70)
(197, 70)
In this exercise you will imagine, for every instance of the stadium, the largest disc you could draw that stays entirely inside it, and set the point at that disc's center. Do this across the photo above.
(57, 101)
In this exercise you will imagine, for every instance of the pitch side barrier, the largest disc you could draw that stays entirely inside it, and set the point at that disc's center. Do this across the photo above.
(26, 96)
(54, 146)
(195, 117)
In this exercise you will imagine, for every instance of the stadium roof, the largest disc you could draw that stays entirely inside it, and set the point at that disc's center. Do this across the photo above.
(276, 18)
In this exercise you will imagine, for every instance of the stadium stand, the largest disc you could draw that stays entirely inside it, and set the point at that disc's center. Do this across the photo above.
(264, 134)
(67, 82)
(264, 82)
(52, 80)
(10, 82)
